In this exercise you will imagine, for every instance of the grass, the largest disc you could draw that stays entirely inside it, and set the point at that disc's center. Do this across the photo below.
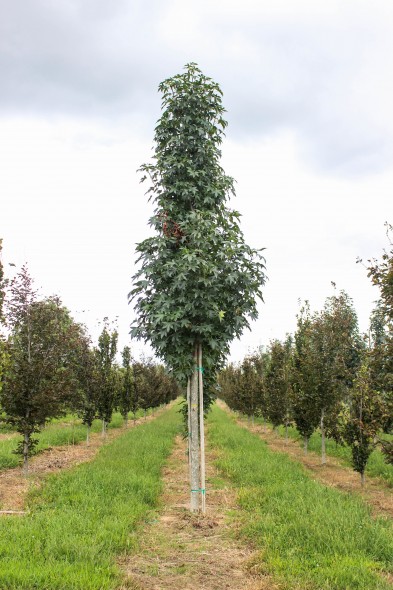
(310, 536)
(376, 466)
(82, 519)
(62, 431)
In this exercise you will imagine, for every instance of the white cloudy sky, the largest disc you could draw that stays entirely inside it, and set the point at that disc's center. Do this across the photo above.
(308, 89)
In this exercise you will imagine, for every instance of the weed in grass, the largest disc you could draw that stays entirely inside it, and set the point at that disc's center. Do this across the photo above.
(311, 535)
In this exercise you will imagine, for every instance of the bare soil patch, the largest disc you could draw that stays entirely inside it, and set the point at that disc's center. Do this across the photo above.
(14, 485)
(334, 474)
(7, 435)
(180, 550)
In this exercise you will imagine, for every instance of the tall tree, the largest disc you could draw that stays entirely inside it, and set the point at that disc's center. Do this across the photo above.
(105, 354)
(198, 282)
(40, 375)
(337, 347)
(305, 407)
(3, 354)
(365, 417)
(381, 364)
(278, 384)
(327, 355)
(86, 401)
(248, 387)
(125, 401)
(137, 368)
(228, 386)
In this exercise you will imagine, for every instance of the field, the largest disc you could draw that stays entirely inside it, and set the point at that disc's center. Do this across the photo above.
(120, 518)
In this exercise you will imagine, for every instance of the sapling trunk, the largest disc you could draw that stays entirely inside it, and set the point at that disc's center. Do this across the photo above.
(362, 478)
(194, 437)
(252, 419)
(26, 440)
(286, 433)
(264, 424)
(202, 430)
(88, 435)
(323, 439)
(103, 433)
(305, 439)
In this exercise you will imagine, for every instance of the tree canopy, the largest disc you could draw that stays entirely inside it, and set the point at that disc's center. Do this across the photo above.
(198, 281)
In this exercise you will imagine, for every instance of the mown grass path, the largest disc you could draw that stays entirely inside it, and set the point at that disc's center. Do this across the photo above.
(81, 520)
(310, 536)
(377, 492)
(181, 551)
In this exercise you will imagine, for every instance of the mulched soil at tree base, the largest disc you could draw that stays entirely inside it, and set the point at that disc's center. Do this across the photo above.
(184, 551)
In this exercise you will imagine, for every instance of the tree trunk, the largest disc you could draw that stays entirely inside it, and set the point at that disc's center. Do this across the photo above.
(323, 441)
(252, 419)
(26, 440)
(286, 433)
(134, 418)
(126, 420)
(144, 412)
(362, 478)
(305, 439)
(202, 431)
(88, 435)
(194, 437)
(264, 424)
(103, 433)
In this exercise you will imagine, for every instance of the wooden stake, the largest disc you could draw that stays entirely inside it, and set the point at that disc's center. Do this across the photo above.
(202, 430)
(189, 426)
(194, 437)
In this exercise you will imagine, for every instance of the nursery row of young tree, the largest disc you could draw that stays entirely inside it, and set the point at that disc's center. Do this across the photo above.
(327, 375)
(49, 366)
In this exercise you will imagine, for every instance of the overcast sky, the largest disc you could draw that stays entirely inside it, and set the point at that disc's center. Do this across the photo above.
(308, 89)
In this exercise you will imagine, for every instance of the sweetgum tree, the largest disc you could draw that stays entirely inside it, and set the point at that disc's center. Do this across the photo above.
(198, 280)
